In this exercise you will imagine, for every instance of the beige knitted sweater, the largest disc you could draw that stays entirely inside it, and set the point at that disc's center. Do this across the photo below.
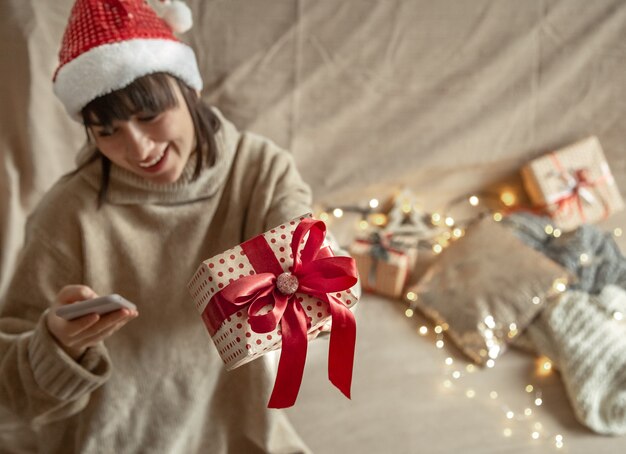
(157, 385)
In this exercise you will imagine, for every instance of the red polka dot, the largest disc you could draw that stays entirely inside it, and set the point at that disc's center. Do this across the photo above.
(309, 308)
(273, 231)
(279, 332)
(281, 249)
(283, 227)
(220, 285)
(239, 314)
(242, 253)
(210, 279)
(231, 280)
(258, 341)
(292, 223)
(222, 261)
(240, 276)
(248, 346)
(251, 273)
(239, 325)
(230, 270)
(283, 236)
(241, 265)
(282, 260)
(211, 265)
(269, 337)
(348, 302)
(348, 291)
(319, 315)
(232, 257)
(248, 334)
(319, 304)
(338, 295)
(220, 274)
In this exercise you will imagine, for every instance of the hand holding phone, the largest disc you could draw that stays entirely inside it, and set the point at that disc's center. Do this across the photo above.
(101, 305)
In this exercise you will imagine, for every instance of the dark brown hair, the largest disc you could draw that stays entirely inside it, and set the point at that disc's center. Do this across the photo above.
(152, 93)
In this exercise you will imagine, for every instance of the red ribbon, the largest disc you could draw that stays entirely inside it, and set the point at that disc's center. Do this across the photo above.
(319, 274)
(581, 178)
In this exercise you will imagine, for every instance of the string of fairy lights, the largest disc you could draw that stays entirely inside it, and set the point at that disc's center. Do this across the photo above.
(444, 229)
(522, 420)
(447, 228)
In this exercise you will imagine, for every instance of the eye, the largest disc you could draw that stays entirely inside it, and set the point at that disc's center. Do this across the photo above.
(148, 117)
(105, 132)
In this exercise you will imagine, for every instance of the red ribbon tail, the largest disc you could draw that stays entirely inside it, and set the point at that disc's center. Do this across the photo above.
(341, 348)
(292, 357)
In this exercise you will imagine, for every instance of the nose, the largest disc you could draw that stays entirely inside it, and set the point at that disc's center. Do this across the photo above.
(138, 143)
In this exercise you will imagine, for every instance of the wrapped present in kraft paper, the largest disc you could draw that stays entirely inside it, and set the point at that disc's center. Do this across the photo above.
(574, 185)
(270, 292)
(383, 265)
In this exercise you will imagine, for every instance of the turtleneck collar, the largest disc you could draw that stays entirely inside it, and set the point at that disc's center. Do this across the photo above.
(127, 188)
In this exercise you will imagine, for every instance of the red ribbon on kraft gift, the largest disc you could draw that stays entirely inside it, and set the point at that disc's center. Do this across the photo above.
(579, 181)
(315, 272)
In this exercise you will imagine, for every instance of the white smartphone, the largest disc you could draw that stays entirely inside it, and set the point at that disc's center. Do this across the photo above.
(100, 305)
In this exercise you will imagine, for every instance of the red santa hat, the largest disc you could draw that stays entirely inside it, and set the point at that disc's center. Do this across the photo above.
(109, 43)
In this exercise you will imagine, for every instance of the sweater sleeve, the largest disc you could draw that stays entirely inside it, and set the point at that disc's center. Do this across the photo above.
(278, 191)
(39, 382)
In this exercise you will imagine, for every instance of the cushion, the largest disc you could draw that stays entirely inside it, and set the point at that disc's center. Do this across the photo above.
(486, 287)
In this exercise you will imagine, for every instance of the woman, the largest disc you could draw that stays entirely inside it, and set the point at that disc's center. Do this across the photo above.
(164, 183)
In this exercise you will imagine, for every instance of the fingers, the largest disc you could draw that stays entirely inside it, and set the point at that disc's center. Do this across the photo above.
(101, 329)
(106, 331)
(79, 325)
(76, 335)
(73, 293)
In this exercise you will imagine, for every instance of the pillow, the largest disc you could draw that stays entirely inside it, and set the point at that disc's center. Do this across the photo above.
(486, 287)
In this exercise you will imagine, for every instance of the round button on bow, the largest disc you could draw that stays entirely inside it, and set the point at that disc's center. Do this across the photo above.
(287, 283)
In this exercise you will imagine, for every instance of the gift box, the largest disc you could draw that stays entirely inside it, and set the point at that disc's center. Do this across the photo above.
(383, 265)
(270, 292)
(574, 185)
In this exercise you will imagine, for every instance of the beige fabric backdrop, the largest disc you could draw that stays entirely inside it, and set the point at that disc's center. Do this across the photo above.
(446, 96)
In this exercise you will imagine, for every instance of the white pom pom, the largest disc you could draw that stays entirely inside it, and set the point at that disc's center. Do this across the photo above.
(178, 16)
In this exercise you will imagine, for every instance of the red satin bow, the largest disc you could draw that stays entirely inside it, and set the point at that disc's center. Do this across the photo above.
(318, 274)
(582, 181)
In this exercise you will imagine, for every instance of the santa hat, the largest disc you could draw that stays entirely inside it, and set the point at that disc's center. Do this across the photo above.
(109, 43)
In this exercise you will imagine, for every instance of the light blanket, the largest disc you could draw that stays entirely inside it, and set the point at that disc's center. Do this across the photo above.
(585, 336)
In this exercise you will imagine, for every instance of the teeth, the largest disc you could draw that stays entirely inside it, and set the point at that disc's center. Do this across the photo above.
(153, 161)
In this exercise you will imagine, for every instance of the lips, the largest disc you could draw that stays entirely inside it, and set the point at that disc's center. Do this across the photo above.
(154, 161)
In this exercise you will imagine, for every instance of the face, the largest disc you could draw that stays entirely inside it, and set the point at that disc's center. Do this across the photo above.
(155, 146)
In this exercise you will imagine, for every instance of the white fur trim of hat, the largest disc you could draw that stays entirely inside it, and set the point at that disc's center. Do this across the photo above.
(111, 67)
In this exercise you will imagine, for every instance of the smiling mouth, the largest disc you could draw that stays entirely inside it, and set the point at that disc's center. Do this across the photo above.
(154, 161)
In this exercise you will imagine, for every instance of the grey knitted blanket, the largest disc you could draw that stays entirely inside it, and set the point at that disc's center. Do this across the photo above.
(604, 262)
(580, 332)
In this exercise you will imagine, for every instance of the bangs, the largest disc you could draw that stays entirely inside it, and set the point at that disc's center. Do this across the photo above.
(151, 94)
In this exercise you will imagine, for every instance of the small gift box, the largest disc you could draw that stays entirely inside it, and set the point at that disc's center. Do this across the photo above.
(270, 292)
(574, 184)
(383, 265)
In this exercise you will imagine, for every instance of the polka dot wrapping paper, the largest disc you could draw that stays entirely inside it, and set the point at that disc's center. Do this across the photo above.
(265, 270)
(574, 185)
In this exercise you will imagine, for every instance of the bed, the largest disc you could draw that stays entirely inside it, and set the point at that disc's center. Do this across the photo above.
(446, 98)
